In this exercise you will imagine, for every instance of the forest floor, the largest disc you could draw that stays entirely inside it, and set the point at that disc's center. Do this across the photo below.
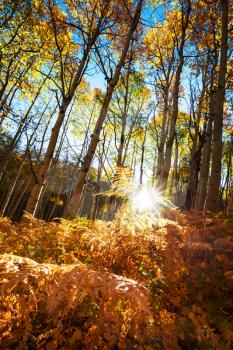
(141, 283)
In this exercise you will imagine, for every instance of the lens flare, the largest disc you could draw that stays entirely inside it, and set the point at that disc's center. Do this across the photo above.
(147, 200)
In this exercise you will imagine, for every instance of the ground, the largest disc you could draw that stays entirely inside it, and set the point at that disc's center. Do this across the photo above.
(138, 282)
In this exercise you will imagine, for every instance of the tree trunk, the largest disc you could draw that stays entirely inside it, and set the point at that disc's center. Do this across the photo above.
(40, 178)
(123, 120)
(213, 196)
(205, 164)
(175, 175)
(13, 208)
(195, 155)
(142, 157)
(19, 132)
(11, 190)
(162, 136)
(172, 127)
(95, 203)
(74, 203)
(129, 136)
(143, 150)
(206, 153)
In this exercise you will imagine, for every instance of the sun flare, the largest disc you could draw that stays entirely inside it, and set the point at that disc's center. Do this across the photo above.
(147, 200)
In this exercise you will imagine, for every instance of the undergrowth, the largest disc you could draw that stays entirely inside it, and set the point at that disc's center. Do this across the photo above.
(138, 283)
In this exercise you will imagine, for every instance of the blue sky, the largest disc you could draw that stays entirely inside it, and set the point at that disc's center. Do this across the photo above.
(149, 17)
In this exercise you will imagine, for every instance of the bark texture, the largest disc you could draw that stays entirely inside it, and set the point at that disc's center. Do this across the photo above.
(213, 196)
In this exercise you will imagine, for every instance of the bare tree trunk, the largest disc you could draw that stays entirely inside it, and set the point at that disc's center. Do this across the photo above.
(213, 196)
(172, 127)
(162, 136)
(129, 136)
(40, 178)
(74, 203)
(45, 132)
(142, 157)
(154, 168)
(19, 132)
(102, 158)
(11, 93)
(229, 176)
(94, 208)
(13, 207)
(206, 153)
(143, 151)
(29, 143)
(205, 163)
(11, 190)
(225, 186)
(123, 120)
(17, 205)
(54, 160)
(133, 156)
(195, 154)
(175, 176)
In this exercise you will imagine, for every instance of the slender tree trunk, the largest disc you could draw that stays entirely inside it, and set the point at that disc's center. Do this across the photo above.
(172, 127)
(22, 126)
(229, 176)
(133, 156)
(175, 177)
(195, 156)
(40, 178)
(153, 171)
(29, 143)
(122, 142)
(13, 210)
(162, 136)
(206, 153)
(7, 77)
(227, 180)
(74, 204)
(45, 132)
(102, 158)
(79, 158)
(54, 162)
(15, 207)
(143, 151)
(11, 190)
(123, 120)
(94, 208)
(13, 90)
(205, 164)
(129, 137)
(142, 157)
(213, 196)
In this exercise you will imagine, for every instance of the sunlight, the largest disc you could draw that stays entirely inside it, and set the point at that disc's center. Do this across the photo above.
(147, 200)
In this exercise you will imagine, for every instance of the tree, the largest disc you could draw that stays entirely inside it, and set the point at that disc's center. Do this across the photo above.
(213, 196)
(74, 204)
(94, 30)
(185, 15)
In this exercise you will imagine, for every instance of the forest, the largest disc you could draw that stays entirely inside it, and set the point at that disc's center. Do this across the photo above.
(116, 174)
